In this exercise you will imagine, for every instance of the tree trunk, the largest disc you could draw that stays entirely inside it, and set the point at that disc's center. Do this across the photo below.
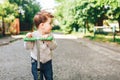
(100, 22)
(87, 26)
(119, 24)
(3, 26)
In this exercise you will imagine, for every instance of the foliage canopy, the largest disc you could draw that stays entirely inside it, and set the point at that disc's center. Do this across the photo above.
(78, 13)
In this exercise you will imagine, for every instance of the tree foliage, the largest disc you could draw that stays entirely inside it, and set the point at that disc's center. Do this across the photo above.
(78, 13)
(29, 7)
(8, 11)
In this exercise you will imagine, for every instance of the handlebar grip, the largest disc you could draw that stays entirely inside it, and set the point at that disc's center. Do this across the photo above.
(42, 39)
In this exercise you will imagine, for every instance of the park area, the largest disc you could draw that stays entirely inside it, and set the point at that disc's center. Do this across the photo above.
(87, 33)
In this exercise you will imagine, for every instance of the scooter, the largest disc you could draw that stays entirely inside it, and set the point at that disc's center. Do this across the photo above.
(36, 40)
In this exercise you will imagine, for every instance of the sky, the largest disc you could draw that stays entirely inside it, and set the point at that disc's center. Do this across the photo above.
(1, 1)
(47, 4)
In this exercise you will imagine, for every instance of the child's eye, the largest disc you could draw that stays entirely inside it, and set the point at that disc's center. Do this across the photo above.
(51, 23)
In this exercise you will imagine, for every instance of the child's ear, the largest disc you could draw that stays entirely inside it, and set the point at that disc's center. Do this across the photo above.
(41, 25)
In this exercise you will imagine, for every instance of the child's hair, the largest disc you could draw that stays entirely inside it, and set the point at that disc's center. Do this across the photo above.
(41, 17)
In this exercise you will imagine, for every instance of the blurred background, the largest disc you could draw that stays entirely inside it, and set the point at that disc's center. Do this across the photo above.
(87, 33)
(92, 19)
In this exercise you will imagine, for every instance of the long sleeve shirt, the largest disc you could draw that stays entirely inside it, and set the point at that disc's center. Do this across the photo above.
(45, 49)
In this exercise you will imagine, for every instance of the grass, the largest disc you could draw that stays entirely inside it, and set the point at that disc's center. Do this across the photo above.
(104, 38)
(1, 36)
(98, 37)
(24, 32)
(57, 31)
(21, 35)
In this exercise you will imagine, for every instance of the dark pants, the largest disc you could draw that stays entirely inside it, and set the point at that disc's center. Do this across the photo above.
(45, 70)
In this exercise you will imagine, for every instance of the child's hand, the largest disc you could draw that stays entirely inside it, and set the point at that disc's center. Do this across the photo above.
(48, 42)
(45, 36)
(29, 35)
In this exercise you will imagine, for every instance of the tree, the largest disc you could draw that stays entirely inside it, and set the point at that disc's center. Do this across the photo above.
(114, 12)
(7, 12)
(30, 8)
(78, 13)
(65, 16)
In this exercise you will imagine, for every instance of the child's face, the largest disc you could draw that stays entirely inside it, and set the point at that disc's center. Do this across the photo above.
(47, 26)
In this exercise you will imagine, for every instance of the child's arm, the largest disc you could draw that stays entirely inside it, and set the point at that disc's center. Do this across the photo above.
(28, 45)
(52, 44)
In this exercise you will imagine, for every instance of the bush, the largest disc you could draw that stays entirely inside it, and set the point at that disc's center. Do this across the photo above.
(56, 27)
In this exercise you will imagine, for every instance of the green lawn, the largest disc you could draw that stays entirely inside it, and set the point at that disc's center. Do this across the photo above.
(98, 37)
(103, 38)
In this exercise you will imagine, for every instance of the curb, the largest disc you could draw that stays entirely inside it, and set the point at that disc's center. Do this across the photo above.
(9, 41)
(4, 43)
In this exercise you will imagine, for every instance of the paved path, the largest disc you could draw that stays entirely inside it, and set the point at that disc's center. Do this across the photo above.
(74, 59)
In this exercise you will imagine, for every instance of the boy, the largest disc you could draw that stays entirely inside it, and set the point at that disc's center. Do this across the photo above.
(43, 23)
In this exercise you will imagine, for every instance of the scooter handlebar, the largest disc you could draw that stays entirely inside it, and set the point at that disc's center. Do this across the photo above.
(42, 39)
